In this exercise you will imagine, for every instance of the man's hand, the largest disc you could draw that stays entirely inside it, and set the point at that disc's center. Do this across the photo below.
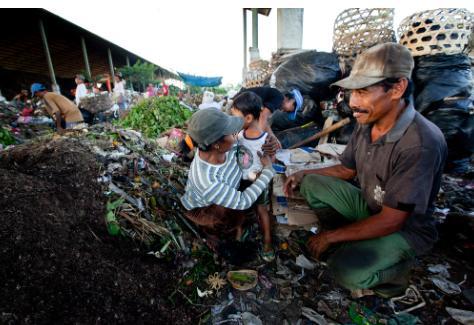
(318, 244)
(292, 182)
(271, 145)
(265, 160)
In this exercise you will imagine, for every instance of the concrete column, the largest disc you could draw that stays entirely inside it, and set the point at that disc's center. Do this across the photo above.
(254, 53)
(127, 59)
(290, 28)
(244, 70)
(86, 58)
(111, 65)
(54, 84)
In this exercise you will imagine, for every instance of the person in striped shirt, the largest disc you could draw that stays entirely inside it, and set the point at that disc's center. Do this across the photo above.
(212, 195)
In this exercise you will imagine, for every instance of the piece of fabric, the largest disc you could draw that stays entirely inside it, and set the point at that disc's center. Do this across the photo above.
(298, 104)
(247, 154)
(58, 103)
(119, 88)
(401, 170)
(361, 264)
(81, 91)
(217, 220)
(368, 263)
(218, 184)
(272, 98)
(263, 199)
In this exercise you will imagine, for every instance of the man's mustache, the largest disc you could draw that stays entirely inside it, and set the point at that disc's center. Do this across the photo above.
(359, 110)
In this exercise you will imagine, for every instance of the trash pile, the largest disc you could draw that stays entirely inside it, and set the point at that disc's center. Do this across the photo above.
(17, 126)
(438, 40)
(62, 198)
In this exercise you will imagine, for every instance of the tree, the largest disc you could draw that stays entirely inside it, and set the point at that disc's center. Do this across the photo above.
(140, 74)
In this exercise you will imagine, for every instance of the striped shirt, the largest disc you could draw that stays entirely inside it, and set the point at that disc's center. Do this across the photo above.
(218, 184)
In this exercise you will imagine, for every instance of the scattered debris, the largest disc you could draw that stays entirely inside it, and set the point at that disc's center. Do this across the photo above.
(243, 279)
(465, 317)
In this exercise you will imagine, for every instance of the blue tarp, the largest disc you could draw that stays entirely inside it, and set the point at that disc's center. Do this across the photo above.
(200, 81)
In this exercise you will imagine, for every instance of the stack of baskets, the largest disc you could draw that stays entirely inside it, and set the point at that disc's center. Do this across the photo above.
(258, 74)
(430, 32)
(358, 29)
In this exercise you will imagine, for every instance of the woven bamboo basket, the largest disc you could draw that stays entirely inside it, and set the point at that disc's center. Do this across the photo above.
(258, 73)
(97, 103)
(357, 29)
(437, 31)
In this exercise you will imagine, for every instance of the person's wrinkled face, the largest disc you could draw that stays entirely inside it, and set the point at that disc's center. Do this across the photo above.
(24, 92)
(288, 105)
(369, 104)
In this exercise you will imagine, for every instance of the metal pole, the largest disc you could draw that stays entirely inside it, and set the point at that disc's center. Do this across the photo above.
(86, 58)
(111, 65)
(245, 38)
(127, 59)
(48, 57)
(255, 27)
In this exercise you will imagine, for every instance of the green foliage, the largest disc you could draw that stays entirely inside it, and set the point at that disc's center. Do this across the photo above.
(140, 74)
(154, 115)
(6, 137)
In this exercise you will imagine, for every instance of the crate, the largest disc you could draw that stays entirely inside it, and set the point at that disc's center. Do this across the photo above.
(430, 32)
(357, 29)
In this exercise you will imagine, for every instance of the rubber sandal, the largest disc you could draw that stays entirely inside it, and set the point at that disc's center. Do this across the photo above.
(268, 256)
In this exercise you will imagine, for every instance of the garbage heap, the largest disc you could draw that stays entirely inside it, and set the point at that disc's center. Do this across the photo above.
(17, 127)
(439, 42)
(79, 215)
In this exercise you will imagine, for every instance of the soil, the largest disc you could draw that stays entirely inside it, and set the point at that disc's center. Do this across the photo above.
(58, 263)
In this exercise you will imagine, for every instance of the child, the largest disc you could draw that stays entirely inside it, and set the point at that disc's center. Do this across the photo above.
(248, 106)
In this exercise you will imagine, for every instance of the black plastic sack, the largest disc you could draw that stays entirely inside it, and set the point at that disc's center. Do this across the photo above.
(439, 76)
(311, 72)
(458, 128)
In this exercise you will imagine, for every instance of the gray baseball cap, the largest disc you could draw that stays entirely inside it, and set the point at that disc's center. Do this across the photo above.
(209, 125)
(388, 60)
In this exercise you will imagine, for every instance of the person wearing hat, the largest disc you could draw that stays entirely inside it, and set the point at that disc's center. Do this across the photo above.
(81, 90)
(212, 195)
(119, 91)
(61, 109)
(398, 157)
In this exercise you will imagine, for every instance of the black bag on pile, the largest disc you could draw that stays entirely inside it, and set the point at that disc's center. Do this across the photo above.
(311, 72)
(439, 76)
(458, 128)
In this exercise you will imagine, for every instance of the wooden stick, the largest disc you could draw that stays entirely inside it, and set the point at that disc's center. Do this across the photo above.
(322, 133)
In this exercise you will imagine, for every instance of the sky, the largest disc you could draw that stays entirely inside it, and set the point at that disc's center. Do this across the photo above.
(206, 37)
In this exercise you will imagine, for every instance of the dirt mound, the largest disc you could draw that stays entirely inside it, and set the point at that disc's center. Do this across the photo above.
(59, 265)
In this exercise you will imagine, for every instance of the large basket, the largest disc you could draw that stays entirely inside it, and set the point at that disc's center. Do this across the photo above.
(258, 73)
(436, 31)
(357, 29)
(97, 103)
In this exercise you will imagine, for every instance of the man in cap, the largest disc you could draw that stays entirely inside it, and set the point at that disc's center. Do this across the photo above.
(81, 90)
(398, 158)
(61, 109)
